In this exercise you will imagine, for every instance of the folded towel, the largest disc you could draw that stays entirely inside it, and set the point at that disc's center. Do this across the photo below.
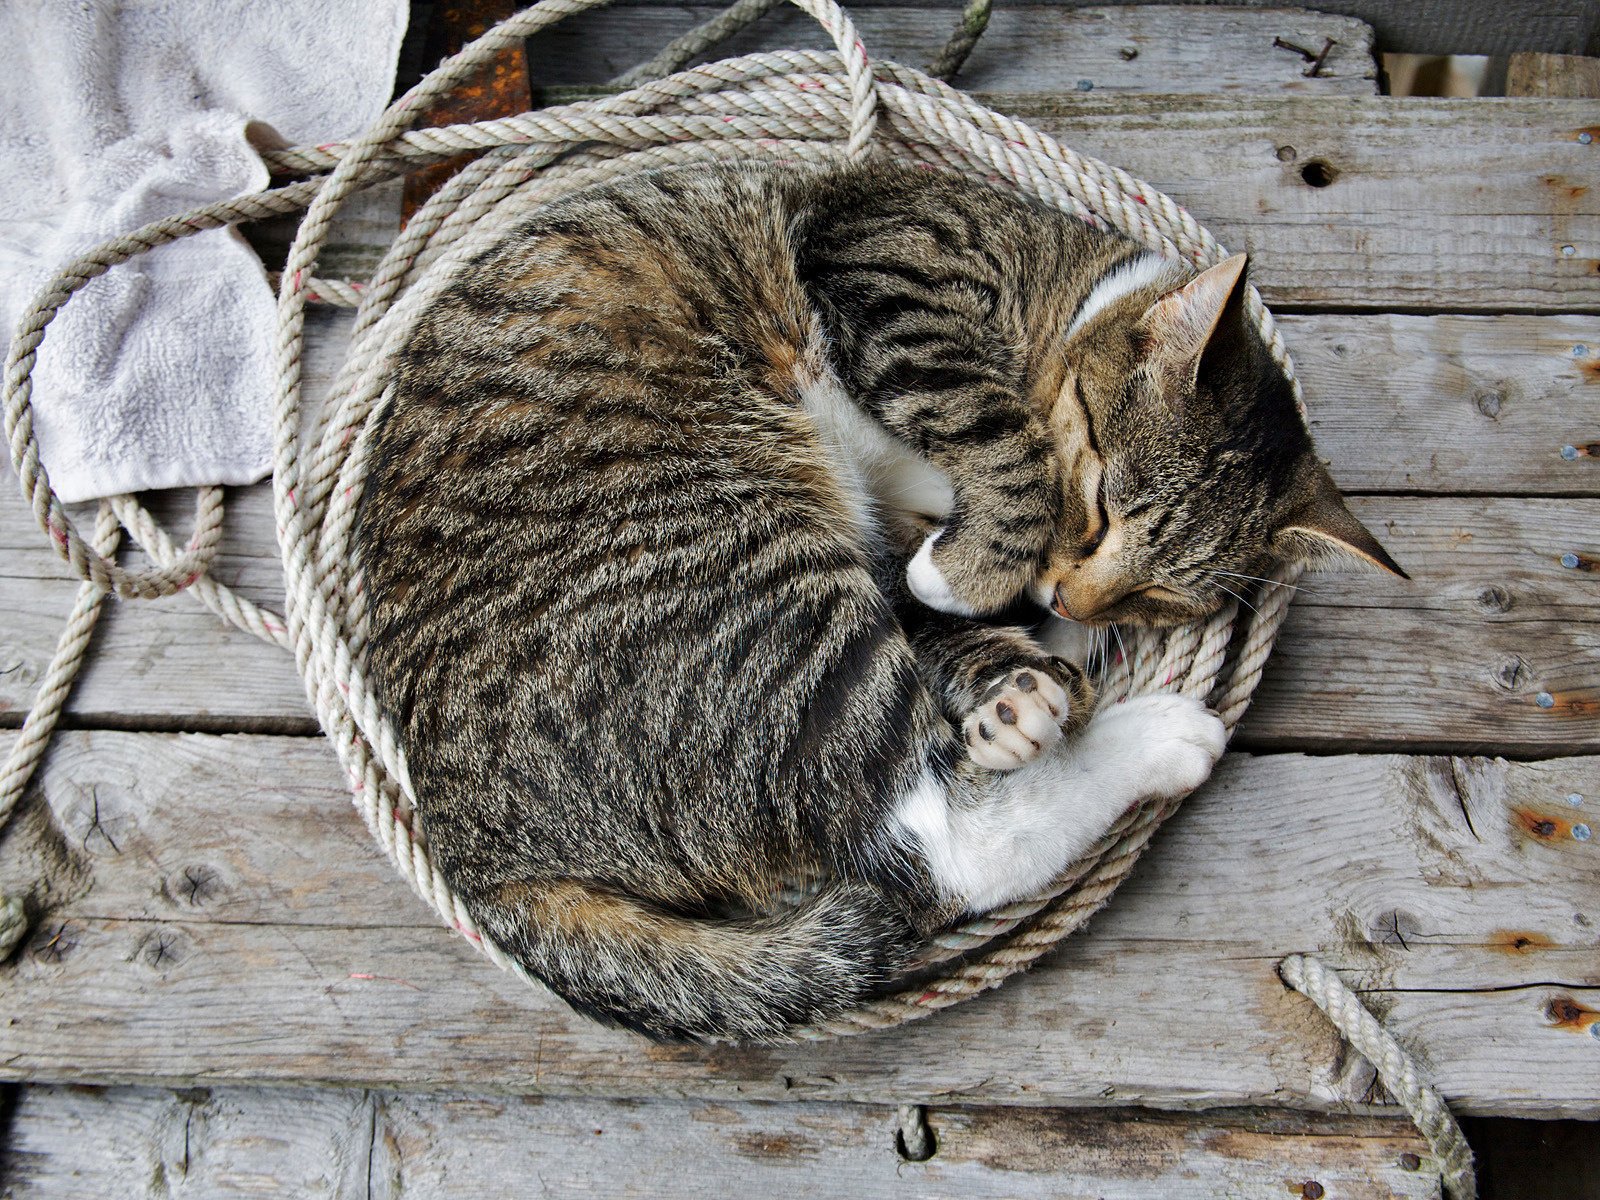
(114, 114)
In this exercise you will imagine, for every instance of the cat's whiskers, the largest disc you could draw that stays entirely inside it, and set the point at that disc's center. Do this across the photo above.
(1293, 587)
(1237, 596)
(1121, 646)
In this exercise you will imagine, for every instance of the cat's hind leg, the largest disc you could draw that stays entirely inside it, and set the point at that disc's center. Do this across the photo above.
(989, 837)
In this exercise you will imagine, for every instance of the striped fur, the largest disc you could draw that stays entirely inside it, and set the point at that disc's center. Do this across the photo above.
(639, 608)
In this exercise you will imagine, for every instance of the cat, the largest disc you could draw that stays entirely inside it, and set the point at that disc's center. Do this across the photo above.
(702, 540)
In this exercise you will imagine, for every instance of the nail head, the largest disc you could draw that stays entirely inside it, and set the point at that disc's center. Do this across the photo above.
(1567, 251)
(1575, 799)
(1569, 453)
(1585, 137)
(1086, 85)
(1580, 832)
(1569, 560)
(1545, 700)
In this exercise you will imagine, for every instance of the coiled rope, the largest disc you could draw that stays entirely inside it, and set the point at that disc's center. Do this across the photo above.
(795, 107)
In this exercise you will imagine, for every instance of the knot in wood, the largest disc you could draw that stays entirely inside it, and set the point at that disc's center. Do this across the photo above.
(1495, 599)
(1512, 672)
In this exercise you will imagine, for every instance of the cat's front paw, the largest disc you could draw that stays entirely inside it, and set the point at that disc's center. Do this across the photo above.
(1020, 717)
(928, 583)
(1170, 743)
(956, 571)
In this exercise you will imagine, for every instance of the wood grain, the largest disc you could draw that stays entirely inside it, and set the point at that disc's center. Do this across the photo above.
(1453, 403)
(1570, 75)
(1028, 48)
(201, 930)
(1430, 204)
(1418, 27)
(147, 1143)
(1493, 646)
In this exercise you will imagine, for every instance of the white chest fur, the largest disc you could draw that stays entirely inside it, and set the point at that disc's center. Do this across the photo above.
(876, 471)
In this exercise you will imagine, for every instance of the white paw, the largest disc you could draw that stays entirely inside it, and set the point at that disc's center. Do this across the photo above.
(928, 584)
(1018, 722)
(1169, 743)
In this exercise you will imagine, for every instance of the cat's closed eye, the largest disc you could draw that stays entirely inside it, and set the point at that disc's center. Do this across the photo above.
(1154, 591)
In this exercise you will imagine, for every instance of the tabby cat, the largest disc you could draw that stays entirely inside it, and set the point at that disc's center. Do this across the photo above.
(703, 539)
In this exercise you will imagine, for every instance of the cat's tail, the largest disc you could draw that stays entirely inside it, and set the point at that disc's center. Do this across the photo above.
(678, 978)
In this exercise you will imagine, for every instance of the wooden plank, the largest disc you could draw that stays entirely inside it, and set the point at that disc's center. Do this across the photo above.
(1569, 75)
(145, 1143)
(1028, 48)
(376, 1146)
(1482, 404)
(1492, 646)
(1454, 660)
(1416, 27)
(1381, 204)
(1489, 405)
(1372, 204)
(197, 930)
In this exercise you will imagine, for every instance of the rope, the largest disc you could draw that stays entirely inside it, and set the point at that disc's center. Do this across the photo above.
(741, 15)
(796, 107)
(974, 20)
(677, 53)
(1394, 1067)
(71, 650)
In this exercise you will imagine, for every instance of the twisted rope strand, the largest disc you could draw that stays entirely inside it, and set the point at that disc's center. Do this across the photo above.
(72, 650)
(1394, 1066)
(974, 20)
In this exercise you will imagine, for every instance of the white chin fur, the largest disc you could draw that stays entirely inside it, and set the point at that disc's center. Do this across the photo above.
(1066, 639)
(928, 584)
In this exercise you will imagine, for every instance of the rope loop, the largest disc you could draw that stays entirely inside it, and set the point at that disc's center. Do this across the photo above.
(798, 108)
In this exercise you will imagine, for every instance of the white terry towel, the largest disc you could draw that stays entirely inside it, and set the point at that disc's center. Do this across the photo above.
(115, 113)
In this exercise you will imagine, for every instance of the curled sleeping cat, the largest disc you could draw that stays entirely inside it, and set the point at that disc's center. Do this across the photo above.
(659, 615)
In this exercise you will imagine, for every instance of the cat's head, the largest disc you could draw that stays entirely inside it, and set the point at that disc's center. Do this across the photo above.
(1187, 472)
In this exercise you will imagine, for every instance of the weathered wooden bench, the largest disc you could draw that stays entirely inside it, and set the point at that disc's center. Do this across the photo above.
(260, 1006)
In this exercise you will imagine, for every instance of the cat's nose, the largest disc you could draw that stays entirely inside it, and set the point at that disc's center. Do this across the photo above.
(1059, 603)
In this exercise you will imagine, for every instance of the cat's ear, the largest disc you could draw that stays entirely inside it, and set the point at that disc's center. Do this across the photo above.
(1183, 323)
(1322, 526)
